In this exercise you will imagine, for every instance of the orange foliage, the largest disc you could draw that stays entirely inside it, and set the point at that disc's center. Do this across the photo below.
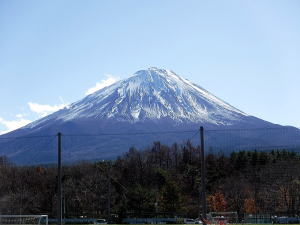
(249, 205)
(217, 202)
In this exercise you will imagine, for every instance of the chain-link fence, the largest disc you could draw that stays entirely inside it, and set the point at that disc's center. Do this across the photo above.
(146, 174)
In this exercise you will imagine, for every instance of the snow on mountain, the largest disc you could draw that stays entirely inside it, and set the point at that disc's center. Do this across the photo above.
(151, 100)
(151, 94)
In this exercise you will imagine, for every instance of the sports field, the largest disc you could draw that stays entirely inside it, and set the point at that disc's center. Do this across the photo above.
(172, 224)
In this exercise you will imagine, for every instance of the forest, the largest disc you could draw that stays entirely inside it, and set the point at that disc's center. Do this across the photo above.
(157, 182)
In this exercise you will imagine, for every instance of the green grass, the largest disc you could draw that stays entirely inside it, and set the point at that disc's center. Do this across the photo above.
(180, 224)
(185, 224)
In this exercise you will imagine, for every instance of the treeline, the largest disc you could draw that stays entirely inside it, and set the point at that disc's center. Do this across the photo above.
(159, 181)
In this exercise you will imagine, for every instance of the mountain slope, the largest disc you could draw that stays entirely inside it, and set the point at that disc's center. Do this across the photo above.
(151, 94)
(150, 101)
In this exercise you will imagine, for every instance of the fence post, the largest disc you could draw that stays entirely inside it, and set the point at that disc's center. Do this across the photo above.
(59, 181)
(203, 175)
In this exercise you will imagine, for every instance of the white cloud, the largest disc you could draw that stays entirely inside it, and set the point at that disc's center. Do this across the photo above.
(103, 83)
(40, 110)
(19, 115)
(11, 125)
(44, 110)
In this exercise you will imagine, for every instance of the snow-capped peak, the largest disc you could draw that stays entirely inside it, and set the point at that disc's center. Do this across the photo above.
(151, 94)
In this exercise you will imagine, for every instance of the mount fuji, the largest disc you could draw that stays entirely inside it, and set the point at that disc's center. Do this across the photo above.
(133, 113)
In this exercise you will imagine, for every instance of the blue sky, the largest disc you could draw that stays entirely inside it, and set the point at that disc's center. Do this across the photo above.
(245, 52)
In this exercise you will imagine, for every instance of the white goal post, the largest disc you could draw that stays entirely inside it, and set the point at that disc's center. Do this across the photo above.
(223, 217)
(24, 219)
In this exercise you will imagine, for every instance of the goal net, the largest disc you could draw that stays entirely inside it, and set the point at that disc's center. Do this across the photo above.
(24, 219)
(222, 217)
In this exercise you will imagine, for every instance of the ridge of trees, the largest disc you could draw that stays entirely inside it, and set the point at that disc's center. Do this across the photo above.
(159, 181)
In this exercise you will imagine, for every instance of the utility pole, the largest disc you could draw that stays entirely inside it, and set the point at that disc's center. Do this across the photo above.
(59, 181)
(203, 174)
(109, 192)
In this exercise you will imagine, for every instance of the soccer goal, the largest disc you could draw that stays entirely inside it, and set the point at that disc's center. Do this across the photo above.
(223, 217)
(24, 219)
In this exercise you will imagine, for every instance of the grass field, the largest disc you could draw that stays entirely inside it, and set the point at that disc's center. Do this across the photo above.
(226, 224)
(169, 224)
(185, 224)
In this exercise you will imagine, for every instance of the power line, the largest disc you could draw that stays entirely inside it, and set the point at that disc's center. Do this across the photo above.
(27, 137)
(196, 133)
(100, 134)
(253, 129)
(129, 134)
(152, 133)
